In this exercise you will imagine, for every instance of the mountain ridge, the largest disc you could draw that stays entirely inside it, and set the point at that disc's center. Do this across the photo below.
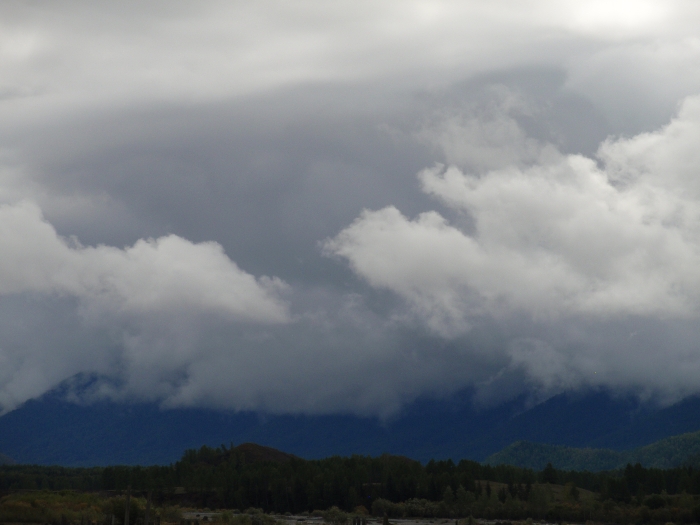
(51, 430)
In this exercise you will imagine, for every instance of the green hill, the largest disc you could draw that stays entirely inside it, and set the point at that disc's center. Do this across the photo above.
(666, 453)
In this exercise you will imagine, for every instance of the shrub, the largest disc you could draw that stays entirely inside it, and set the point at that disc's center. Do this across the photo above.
(335, 516)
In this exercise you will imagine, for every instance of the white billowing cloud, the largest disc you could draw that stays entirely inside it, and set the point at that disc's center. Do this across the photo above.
(564, 238)
(136, 315)
(168, 273)
(423, 260)
(534, 233)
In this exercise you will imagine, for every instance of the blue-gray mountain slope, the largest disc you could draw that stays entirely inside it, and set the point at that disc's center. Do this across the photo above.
(53, 431)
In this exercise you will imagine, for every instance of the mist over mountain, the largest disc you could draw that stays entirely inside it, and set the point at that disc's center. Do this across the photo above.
(431, 228)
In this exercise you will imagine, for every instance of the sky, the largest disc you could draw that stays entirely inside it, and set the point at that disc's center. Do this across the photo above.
(341, 207)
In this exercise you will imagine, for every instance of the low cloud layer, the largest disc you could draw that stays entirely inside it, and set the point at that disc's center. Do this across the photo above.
(217, 204)
(567, 239)
(154, 282)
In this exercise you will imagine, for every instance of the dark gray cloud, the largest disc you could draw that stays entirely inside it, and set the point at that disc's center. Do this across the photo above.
(218, 204)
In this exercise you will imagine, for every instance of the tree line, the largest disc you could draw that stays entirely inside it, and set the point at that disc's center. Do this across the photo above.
(228, 477)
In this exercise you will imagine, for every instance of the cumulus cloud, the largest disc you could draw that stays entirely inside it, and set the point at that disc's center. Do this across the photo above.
(604, 239)
(155, 282)
(179, 323)
(155, 274)
(199, 135)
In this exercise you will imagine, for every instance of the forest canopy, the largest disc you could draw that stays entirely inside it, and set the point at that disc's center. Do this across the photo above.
(251, 476)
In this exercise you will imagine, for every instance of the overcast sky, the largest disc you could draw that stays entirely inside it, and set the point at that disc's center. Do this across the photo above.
(323, 207)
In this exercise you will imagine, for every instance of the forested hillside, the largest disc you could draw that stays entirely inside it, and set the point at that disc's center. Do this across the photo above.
(667, 453)
(250, 476)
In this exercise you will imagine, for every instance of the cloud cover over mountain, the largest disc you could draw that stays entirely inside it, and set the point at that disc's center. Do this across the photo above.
(217, 204)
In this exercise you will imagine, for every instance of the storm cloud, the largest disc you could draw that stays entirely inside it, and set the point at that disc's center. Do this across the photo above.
(311, 208)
